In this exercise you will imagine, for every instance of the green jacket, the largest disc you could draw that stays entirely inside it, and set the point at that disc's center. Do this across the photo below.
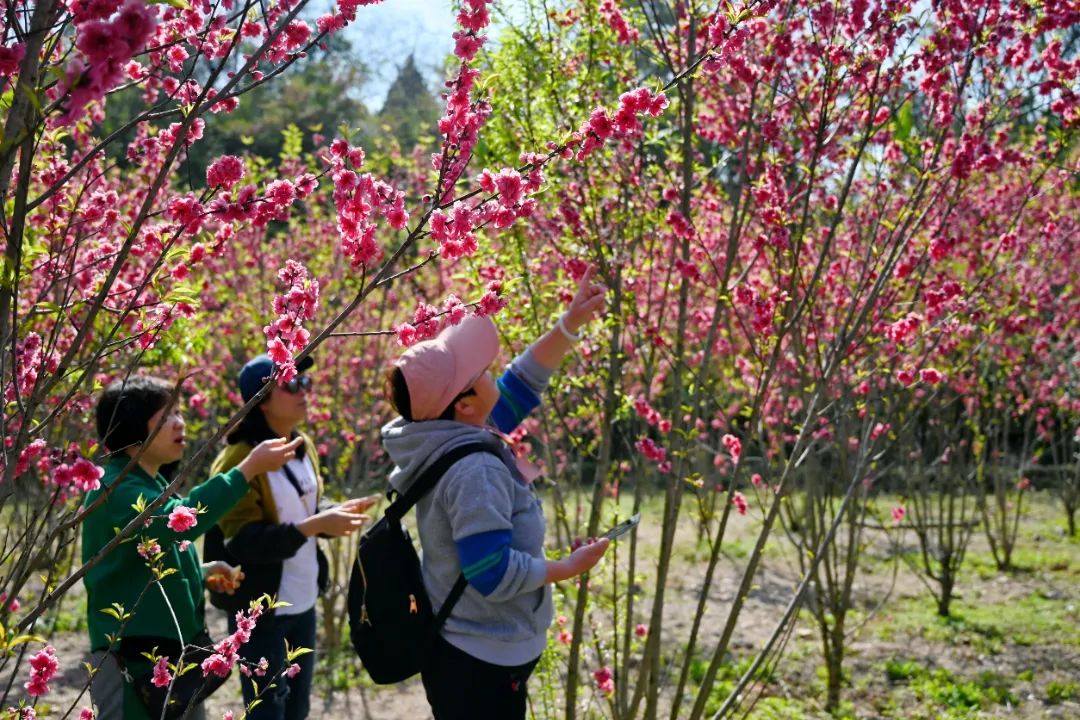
(123, 575)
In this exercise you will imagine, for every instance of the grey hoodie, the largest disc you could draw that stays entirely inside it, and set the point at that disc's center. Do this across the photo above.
(479, 493)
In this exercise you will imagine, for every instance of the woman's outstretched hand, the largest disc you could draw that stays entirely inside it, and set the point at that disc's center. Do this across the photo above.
(587, 302)
(589, 299)
(580, 560)
(269, 455)
(334, 522)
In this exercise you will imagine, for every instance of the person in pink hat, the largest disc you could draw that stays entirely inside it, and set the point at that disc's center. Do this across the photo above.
(482, 520)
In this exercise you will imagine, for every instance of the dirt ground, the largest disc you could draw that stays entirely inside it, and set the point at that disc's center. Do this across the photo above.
(886, 635)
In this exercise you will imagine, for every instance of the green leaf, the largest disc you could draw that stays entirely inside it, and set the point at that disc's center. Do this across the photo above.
(902, 122)
(293, 654)
(20, 639)
(178, 4)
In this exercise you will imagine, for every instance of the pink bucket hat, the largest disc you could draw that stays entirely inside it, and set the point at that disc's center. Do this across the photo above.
(440, 369)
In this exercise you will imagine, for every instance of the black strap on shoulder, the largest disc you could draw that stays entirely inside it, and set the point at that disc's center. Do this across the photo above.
(429, 477)
(421, 487)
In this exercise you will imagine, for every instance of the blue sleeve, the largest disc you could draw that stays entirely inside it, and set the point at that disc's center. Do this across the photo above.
(516, 401)
(484, 558)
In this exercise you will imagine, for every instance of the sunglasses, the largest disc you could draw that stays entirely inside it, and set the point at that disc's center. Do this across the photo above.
(302, 382)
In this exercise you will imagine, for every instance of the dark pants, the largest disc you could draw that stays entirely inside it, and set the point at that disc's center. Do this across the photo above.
(291, 699)
(460, 687)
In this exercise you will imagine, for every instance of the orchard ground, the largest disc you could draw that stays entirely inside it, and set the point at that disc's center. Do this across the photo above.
(1011, 649)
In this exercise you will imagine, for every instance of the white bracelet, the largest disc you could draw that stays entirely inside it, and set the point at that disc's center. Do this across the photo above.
(566, 333)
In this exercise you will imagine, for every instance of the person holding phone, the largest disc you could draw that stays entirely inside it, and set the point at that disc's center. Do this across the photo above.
(272, 534)
(482, 519)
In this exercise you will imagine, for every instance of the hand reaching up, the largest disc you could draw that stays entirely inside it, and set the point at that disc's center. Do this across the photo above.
(587, 302)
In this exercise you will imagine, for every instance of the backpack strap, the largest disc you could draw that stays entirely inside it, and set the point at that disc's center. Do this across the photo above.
(423, 486)
(429, 477)
(451, 600)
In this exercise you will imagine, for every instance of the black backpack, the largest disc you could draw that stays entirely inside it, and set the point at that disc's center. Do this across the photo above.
(392, 622)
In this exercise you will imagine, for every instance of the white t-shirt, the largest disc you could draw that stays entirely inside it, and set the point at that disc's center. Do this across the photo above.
(300, 573)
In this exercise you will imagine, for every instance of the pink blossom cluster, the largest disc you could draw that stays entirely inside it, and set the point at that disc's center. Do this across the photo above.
(510, 189)
(492, 300)
(357, 197)
(770, 193)
(161, 676)
(30, 359)
(624, 123)
(11, 57)
(460, 125)
(106, 46)
(27, 455)
(259, 670)
(473, 17)
(733, 446)
(80, 476)
(454, 231)
(148, 549)
(247, 205)
(286, 336)
(1064, 79)
(739, 501)
(43, 665)
(930, 376)
(158, 319)
(426, 325)
(612, 13)
(725, 42)
(331, 23)
(762, 307)
(879, 429)
(605, 680)
(225, 172)
(12, 606)
(680, 226)
(291, 40)
(937, 299)
(226, 652)
(651, 415)
(182, 519)
(655, 453)
(901, 331)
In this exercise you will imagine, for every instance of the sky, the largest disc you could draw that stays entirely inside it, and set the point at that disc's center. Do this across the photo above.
(384, 35)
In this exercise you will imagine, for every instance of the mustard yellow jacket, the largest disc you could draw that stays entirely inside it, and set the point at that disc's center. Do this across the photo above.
(251, 534)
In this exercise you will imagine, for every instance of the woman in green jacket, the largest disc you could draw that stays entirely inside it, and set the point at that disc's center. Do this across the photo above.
(129, 611)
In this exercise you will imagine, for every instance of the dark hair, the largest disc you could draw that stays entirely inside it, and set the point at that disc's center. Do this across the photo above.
(397, 392)
(125, 407)
(254, 428)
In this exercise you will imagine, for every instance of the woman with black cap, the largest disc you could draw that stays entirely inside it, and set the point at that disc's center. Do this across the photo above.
(271, 534)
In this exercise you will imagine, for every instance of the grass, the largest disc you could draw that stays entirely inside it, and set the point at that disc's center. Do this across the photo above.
(1059, 692)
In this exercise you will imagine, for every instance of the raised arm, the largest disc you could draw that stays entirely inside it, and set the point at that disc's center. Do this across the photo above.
(527, 377)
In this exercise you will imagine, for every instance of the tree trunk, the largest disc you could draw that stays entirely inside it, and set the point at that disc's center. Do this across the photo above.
(834, 666)
(945, 601)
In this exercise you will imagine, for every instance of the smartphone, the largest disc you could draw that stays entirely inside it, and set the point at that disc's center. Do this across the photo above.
(622, 528)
